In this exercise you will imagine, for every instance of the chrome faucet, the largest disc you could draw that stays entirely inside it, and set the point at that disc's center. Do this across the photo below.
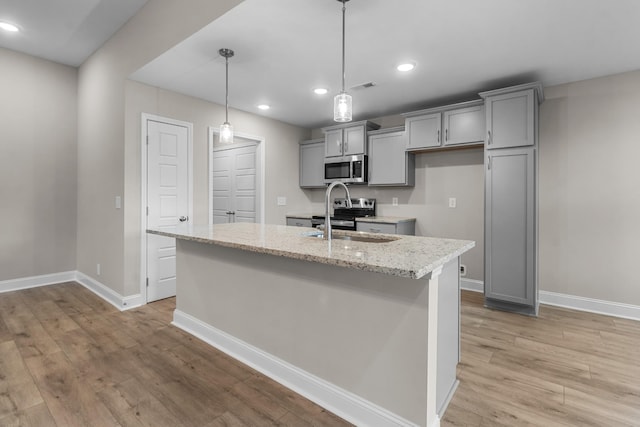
(327, 211)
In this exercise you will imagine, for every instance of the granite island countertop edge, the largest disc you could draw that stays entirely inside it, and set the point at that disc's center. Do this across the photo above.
(409, 256)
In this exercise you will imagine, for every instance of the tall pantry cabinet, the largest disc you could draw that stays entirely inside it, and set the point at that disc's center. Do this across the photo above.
(511, 145)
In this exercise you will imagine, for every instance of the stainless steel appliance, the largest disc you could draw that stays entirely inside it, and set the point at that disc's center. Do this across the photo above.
(344, 218)
(349, 169)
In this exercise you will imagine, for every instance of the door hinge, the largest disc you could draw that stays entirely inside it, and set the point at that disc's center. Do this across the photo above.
(147, 282)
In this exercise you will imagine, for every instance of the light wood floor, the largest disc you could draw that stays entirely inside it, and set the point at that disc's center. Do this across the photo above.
(68, 358)
(563, 368)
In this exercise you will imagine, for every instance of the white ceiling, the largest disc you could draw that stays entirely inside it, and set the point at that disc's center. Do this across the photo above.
(285, 48)
(64, 31)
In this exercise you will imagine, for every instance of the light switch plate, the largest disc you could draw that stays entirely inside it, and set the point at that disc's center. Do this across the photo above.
(118, 202)
(394, 201)
(282, 201)
(452, 202)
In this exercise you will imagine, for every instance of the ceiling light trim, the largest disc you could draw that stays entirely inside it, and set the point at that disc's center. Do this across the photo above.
(9, 27)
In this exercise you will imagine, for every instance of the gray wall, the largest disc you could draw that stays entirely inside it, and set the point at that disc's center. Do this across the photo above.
(281, 160)
(38, 121)
(589, 188)
(159, 25)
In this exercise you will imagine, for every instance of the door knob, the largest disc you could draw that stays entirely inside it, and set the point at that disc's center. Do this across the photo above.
(183, 218)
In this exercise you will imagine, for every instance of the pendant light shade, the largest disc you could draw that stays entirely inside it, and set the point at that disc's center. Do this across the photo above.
(226, 130)
(342, 104)
(342, 107)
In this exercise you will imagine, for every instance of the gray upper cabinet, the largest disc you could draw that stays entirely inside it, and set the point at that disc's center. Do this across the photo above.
(451, 125)
(511, 118)
(312, 163)
(423, 131)
(464, 125)
(389, 162)
(509, 226)
(347, 140)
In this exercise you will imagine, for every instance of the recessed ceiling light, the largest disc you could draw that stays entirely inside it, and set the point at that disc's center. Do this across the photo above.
(9, 27)
(320, 91)
(406, 67)
(263, 107)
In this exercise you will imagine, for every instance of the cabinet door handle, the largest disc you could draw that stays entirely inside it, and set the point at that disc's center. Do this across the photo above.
(488, 137)
(438, 135)
(489, 162)
(446, 134)
(375, 230)
(346, 145)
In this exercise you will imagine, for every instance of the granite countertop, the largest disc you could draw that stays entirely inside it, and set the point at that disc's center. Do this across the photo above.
(385, 219)
(406, 256)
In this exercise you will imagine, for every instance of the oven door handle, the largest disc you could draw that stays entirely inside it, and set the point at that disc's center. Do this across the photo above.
(342, 223)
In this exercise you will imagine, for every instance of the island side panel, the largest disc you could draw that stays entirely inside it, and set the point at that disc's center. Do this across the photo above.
(364, 332)
(448, 333)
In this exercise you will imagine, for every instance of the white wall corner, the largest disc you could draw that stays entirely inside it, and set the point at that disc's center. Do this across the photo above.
(108, 294)
(471, 285)
(341, 402)
(36, 281)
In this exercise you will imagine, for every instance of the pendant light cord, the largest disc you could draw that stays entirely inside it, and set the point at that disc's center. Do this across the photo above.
(343, 44)
(226, 101)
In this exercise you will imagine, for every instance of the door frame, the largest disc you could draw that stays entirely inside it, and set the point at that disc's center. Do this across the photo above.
(146, 117)
(260, 169)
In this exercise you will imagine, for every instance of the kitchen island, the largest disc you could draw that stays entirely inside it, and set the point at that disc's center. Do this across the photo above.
(368, 330)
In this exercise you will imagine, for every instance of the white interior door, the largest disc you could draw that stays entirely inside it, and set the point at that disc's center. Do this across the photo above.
(167, 200)
(234, 184)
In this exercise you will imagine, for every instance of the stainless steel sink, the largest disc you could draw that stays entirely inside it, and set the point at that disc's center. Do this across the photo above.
(353, 237)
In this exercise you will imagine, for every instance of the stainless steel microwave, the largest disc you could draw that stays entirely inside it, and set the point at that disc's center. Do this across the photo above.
(349, 169)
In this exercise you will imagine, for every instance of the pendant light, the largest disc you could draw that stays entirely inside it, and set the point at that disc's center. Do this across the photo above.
(342, 105)
(226, 130)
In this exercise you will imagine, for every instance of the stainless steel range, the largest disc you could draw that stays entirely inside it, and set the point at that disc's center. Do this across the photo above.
(344, 218)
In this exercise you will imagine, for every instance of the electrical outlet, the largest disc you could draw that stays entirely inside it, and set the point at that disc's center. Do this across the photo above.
(463, 270)
(118, 202)
(394, 201)
(98, 269)
(452, 202)
(282, 201)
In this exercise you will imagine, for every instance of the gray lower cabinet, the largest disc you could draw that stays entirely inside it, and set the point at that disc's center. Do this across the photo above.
(389, 162)
(510, 226)
(312, 163)
(298, 222)
(400, 227)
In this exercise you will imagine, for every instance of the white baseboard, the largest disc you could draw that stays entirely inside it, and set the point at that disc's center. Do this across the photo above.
(36, 281)
(335, 399)
(471, 285)
(608, 308)
(107, 294)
